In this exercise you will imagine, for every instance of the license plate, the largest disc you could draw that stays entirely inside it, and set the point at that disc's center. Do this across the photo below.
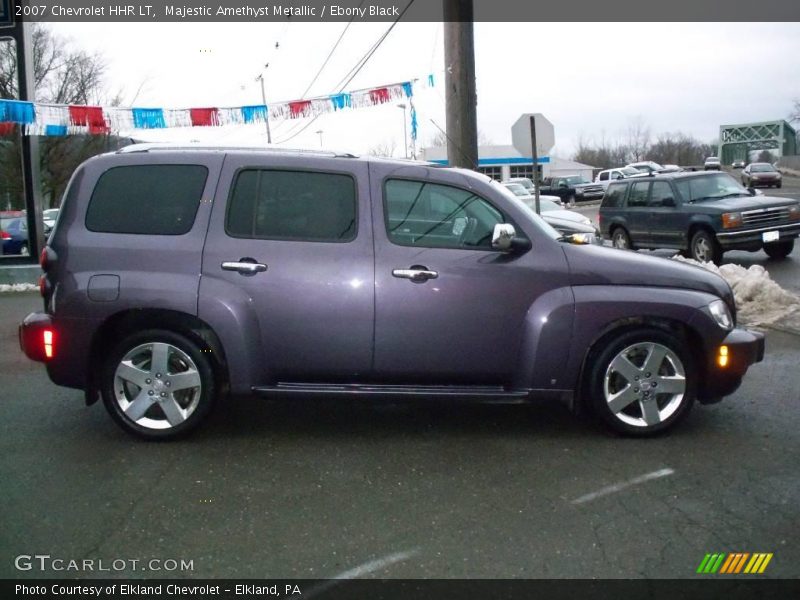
(770, 236)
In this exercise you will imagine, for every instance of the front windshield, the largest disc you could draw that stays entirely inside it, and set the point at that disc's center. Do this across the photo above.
(516, 189)
(762, 168)
(529, 212)
(710, 187)
(576, 179)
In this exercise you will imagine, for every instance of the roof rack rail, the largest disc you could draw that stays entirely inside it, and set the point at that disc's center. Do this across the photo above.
(167, 146)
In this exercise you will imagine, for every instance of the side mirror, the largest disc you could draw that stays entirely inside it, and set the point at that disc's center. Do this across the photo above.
(504, 239)
(751, 191)
(562, 185)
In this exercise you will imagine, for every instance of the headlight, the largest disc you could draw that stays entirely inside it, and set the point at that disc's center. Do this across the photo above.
(731, 220)
(794, 212)
(719, 310)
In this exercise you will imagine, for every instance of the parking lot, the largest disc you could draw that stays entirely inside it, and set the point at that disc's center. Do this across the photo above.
(326, 488)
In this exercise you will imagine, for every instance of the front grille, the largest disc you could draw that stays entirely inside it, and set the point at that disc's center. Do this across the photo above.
(766, 216)
(593, 189)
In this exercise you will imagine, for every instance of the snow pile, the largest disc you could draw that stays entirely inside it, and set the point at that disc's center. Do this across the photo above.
(759, 300)
(18, 287)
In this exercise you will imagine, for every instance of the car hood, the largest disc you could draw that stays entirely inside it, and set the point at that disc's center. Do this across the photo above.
(568, 225)
(745, 203)
(564, 215)
(601, 265)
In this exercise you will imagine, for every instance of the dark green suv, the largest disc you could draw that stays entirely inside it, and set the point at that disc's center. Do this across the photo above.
(701, 214)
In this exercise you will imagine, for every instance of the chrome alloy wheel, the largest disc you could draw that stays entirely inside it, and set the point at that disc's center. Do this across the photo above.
(157, 385)
(644, 384)
(702, 249)
(620, 240)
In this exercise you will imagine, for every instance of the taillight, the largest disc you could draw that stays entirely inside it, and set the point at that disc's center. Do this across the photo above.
(43, 285)
(5, 235)
(43, 261)
(48, 341)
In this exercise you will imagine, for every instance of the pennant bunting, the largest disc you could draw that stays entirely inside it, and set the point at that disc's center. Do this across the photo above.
(54, 119)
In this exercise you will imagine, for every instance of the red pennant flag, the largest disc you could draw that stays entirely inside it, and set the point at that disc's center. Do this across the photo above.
(204, 117)
(301, 108)
(7, 128)
(89, 116)
(379, 95)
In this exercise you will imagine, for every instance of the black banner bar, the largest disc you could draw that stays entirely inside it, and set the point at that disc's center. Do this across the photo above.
(731, 588)
(264, 11)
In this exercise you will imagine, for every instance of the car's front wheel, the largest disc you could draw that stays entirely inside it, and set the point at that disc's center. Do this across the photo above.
(642, 382)
(620, 239)
(705, 248)
(157, 384)
(779, 250)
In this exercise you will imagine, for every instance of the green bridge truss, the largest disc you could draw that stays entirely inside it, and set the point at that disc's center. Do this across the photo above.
(737, 141)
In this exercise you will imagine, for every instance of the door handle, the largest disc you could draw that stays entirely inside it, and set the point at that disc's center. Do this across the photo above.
(244, 266)
(416, 273)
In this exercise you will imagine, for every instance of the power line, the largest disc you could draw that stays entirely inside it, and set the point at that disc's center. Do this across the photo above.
(336, 45)
(359, 65)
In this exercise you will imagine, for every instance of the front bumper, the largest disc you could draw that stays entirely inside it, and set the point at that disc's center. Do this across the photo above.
(752, 238)
(744, 348)
(765, 182)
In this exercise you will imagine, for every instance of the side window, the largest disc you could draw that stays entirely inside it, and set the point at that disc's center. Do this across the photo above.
(638, 195)
(614, 196)
(431, 215)
(661, 194)
(292, 205)
(604, 176)
(147, 199)
(684, 190)
(616, 175)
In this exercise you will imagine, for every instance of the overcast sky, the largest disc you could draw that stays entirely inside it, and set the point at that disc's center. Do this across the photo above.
(589, 79)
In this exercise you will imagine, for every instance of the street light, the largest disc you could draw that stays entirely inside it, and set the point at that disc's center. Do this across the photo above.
(405, 136)
(319, 133)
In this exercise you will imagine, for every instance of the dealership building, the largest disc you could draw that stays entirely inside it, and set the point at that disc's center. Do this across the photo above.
(504, 162)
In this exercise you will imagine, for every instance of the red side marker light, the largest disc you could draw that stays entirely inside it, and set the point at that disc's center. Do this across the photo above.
(48, 339)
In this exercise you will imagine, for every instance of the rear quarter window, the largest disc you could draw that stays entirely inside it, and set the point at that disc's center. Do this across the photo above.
(614, 196)
(147, 199)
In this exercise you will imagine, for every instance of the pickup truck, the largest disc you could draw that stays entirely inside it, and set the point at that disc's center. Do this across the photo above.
(571, 189)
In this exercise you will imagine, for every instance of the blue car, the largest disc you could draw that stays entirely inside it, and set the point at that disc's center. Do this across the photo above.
(14, 233)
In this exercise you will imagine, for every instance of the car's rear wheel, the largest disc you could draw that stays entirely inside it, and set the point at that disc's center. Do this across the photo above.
(779, 250)
(570, 201)
(642, 382)
(780, 185)
(705, 248)
(158, 384)
(620, 239)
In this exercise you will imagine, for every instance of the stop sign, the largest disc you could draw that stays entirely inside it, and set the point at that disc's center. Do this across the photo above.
(521, 134)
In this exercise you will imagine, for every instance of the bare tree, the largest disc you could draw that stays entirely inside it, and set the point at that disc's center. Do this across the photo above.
(766, 156)
(384, 148)
(795, 114)
(63, 74)
(637, 138)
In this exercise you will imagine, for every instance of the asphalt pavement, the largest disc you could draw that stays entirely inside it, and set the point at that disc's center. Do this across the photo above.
(324, 488)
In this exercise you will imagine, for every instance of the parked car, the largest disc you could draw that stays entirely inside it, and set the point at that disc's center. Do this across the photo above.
(648, 167)
(14, 233)
(701, 214)
(738, 164)
(49, 217)
(566, 222)
(712, 163)
(765, 174)
(176, 276)
(571, 189)
(608, 175)
(525, 182)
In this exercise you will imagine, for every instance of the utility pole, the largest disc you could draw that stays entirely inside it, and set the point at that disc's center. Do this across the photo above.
(460, 96)
(266, 109)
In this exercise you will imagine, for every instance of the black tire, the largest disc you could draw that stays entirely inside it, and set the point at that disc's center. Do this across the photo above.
(703, 247)
(570, 201)
(780, 185)
(23, 250)
(631, 419)
(620, 239)
(154, 423)
(779, 250)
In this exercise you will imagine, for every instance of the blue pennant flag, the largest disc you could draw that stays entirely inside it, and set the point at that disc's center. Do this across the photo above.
(17, 111)
(407, 89)
(148, 118)
(413, 123)
(430, 80)
(252, 114)
(340, 101)
(55, 130)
